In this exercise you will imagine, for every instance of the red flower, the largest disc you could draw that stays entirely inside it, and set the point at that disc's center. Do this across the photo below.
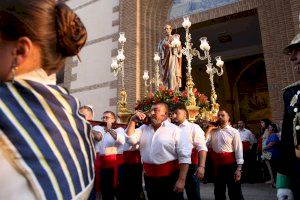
(150, 95)
(170, 91)
(195, 90)
(148, 102)
(184, 94)
(161, 88)
(203, 98)
(175, 99)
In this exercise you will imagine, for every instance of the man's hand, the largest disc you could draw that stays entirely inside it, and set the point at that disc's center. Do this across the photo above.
(108, 126)
(237, 175)
(138, 116)
(200, 172)
(284, 193)
(179, 186)
(97, 135)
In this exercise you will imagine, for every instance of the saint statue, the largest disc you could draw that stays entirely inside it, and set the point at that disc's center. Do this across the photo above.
(170, 52)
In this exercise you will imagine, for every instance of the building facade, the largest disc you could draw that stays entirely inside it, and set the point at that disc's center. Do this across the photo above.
(249, 35)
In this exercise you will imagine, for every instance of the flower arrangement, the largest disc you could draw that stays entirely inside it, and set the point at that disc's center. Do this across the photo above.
(172, 98)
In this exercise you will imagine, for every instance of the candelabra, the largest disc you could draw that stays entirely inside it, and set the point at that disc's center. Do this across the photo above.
(117, 67)
(156, 79)
(190, 52)
(145, 78)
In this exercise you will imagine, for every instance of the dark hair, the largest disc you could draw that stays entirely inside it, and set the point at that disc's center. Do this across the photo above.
(164, 104)
(181, 106)
(267, 122)
(110, 112)
(51, 25)
(274, 126)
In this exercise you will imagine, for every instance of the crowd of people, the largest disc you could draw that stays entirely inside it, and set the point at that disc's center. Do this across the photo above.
(234, 155)
(49, 150)
(169, 152)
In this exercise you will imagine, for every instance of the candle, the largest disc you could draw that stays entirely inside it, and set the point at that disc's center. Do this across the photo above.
(209, 70)
(146, 75)
(120, 56)
(156, 57)
(186, 22)
(204, 46)
(122, 38)
(114, 65)
(220, 62)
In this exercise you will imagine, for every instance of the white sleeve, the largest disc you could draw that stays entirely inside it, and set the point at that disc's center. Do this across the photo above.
(183, 147)
(199, 138)
(99, 129)
(135, 137)
(238, 147)
(120, 136)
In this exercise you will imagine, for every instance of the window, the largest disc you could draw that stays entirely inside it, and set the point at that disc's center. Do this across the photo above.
(181, 8)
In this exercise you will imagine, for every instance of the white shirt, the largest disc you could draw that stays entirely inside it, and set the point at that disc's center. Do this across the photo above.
(108, 145)
(227, 139)
(195, 135)
(246, 135)
(165, 144)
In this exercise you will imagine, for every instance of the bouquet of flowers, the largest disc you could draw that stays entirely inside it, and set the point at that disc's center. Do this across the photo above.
(172, 98)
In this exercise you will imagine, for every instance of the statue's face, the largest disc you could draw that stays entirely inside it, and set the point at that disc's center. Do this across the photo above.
(295, 58)
(168, 30)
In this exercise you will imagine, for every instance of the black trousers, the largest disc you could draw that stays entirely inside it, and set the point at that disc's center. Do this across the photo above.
(108, 191)
(161, 188)
(192, 184)
(225, 177)
(133, 183)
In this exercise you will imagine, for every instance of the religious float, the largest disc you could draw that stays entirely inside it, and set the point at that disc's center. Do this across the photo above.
(200, 108)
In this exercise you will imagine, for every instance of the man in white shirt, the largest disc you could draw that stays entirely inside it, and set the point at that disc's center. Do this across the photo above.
(197, 139)
(165, 153)
(248, 139)
(227, 156)
(246, 135)
(110, 155)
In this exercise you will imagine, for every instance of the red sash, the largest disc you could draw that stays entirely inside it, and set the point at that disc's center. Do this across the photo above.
(112, 161)
(132, 157)
(97, 173)
(195, 156)
(246, 145)
(166, 169)
(223, 158)
(120, 158)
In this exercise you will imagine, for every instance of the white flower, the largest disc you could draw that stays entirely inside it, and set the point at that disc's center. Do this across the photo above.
(298, 92)
(295, 110)
(298, 128)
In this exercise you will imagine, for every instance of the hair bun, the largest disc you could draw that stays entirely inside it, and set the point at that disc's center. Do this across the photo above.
(71, 33)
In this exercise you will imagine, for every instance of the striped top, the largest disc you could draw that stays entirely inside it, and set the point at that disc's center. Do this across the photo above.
(52, 144)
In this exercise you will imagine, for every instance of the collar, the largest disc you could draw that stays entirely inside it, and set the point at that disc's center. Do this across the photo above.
(184, 123)
(38, 75)
(226, 127)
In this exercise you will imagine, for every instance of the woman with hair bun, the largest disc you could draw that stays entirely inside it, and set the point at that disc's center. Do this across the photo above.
(46, 150)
